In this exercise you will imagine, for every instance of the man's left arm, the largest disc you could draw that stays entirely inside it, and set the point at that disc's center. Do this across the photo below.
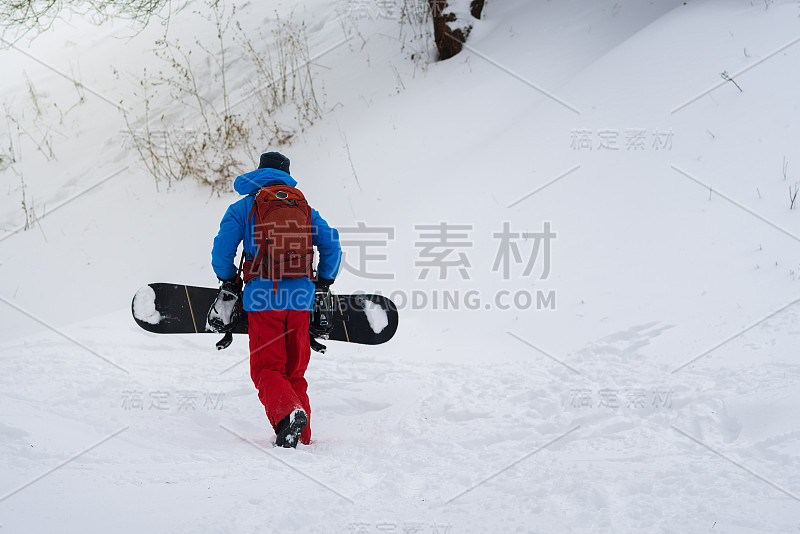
(231, 233)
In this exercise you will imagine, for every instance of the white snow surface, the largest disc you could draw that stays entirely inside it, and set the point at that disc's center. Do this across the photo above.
(660, 395)
(144, 306)
(376, 316)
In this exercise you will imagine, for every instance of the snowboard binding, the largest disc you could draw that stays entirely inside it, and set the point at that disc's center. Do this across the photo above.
(321, 324)
(224, 313)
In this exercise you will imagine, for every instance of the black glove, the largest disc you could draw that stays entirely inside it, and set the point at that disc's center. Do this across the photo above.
(234, 285)
(224, 313)
(323, 284)
(321, 323)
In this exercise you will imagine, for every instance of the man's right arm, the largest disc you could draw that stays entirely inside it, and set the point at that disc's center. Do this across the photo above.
(326, 239)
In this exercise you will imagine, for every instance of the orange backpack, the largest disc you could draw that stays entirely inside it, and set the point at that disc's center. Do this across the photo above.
(282, 230)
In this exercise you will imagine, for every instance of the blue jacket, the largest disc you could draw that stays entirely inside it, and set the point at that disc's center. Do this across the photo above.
(259, 294)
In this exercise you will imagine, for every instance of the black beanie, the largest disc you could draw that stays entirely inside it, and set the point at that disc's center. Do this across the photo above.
(274, 160)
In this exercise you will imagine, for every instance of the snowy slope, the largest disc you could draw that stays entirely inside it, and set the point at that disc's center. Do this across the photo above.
(582, 418)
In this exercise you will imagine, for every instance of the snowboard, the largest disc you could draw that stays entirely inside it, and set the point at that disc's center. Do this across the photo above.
(180, 309)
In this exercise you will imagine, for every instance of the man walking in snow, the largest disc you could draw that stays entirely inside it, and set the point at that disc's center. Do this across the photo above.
(279, 231)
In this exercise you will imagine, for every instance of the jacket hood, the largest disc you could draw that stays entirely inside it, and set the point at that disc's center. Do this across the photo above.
(249, 183)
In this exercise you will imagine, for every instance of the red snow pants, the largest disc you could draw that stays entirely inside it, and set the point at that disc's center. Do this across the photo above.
(279, 355)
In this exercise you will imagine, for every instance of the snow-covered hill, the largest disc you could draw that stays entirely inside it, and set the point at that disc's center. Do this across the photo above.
(645, 379)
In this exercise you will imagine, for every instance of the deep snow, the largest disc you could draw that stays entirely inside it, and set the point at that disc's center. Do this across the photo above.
(674, 243)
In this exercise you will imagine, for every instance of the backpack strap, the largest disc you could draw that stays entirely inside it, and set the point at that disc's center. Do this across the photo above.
(253, 208)
(247, 265)
(241, 265)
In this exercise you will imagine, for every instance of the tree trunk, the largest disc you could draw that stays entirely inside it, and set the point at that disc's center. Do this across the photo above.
(476, 8)
(451, 27)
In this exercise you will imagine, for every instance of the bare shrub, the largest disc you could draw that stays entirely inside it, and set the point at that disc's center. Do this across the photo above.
(282, 78)
(416, 36)
(205, 138)
(22, 17)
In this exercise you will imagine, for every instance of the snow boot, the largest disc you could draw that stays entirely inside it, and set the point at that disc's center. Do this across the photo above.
(289, 429)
